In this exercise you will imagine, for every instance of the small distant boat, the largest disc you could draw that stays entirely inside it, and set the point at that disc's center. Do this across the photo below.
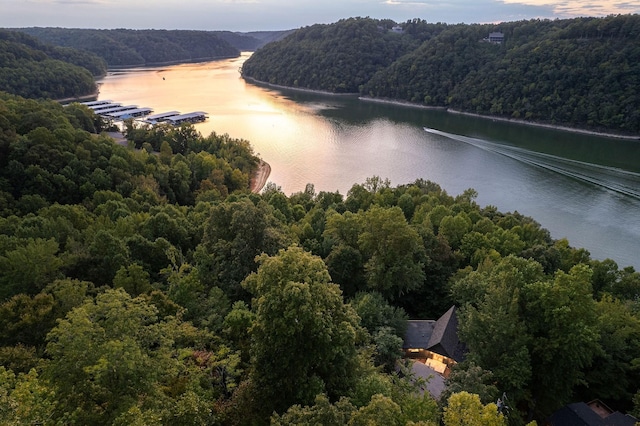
(439, 133)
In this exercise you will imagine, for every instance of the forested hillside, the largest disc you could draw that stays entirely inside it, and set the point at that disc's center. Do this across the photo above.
(149, 286)
(266, 37)
(338, 58)
(33, 69)
(123, 47)
(251, 41)
(581, 72)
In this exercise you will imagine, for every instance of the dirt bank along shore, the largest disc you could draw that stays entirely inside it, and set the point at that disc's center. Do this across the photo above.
(259, 179)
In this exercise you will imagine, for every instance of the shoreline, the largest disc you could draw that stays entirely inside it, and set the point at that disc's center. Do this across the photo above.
(452, 111)
(400, 103)
(256, 182)
(295, 89)
(547, 126)
(259, 178)
(115, 68)
(80, 98)
(503, 119)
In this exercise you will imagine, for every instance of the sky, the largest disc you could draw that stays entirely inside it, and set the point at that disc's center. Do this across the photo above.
(265, 15)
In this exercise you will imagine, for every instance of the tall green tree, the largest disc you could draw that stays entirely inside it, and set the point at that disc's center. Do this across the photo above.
(537, 334)
(562, 321)
(497, 337)
(30, 267)
(304, 335)
(395, 252)
(235, 233)
(614, 374)
(114, 355)
(24, 399)
(469, 377)
(465, 409)
(322, 412)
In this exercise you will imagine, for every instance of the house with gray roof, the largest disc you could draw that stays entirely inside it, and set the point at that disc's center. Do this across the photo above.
(496, 37)
(436, 343)
(594, 413)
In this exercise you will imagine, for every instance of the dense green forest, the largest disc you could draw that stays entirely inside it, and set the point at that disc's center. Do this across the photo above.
(33, 69)
(337, 58)
(581, 72)
(146, 285)
(124, 47)
(198, 44)
(264, 37)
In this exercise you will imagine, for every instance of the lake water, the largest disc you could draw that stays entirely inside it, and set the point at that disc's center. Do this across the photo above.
(581, 187)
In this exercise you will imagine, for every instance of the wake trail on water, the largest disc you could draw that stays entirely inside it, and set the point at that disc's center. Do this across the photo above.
(620, 181)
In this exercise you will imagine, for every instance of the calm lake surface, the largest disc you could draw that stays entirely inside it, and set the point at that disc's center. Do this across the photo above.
(581, 187)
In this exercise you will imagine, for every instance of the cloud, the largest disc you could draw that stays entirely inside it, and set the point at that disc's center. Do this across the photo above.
(569, 8)
(240, 1)
(96, 2)
(71, 2)
(249, 15)
(406, 3)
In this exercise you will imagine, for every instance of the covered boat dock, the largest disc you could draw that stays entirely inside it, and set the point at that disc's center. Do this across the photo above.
(191, 117)
(160, 117)
(108, 111)
(116, 111)
(95, 103)
(130, 113)
(102, 107)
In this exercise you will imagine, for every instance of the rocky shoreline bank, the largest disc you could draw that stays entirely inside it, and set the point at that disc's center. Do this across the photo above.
(259, 178)
(548, 126)
(452, 111)
(296, 89)
(504, 119)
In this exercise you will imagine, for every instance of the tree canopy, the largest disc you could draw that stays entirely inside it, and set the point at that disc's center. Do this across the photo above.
(303, 336)
(33, 69)
(123, 47)
(146, 284)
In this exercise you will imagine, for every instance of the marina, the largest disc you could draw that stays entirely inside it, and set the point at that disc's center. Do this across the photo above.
(117, 112)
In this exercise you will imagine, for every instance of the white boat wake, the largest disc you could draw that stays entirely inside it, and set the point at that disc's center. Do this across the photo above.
(614, 179)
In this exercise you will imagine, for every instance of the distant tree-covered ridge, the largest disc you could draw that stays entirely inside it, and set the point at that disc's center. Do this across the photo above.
(33, 69)
(180, 46)
(253, 40)
(582, 72)
(122, 47)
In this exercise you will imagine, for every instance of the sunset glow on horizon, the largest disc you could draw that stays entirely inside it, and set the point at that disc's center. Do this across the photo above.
(572, 8)
(267, 15)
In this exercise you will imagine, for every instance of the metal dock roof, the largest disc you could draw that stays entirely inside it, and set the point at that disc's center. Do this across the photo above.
(191, 116)
(93, 103)
(163, 115)
(116, 109)
(97, 108)
(130, 113)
